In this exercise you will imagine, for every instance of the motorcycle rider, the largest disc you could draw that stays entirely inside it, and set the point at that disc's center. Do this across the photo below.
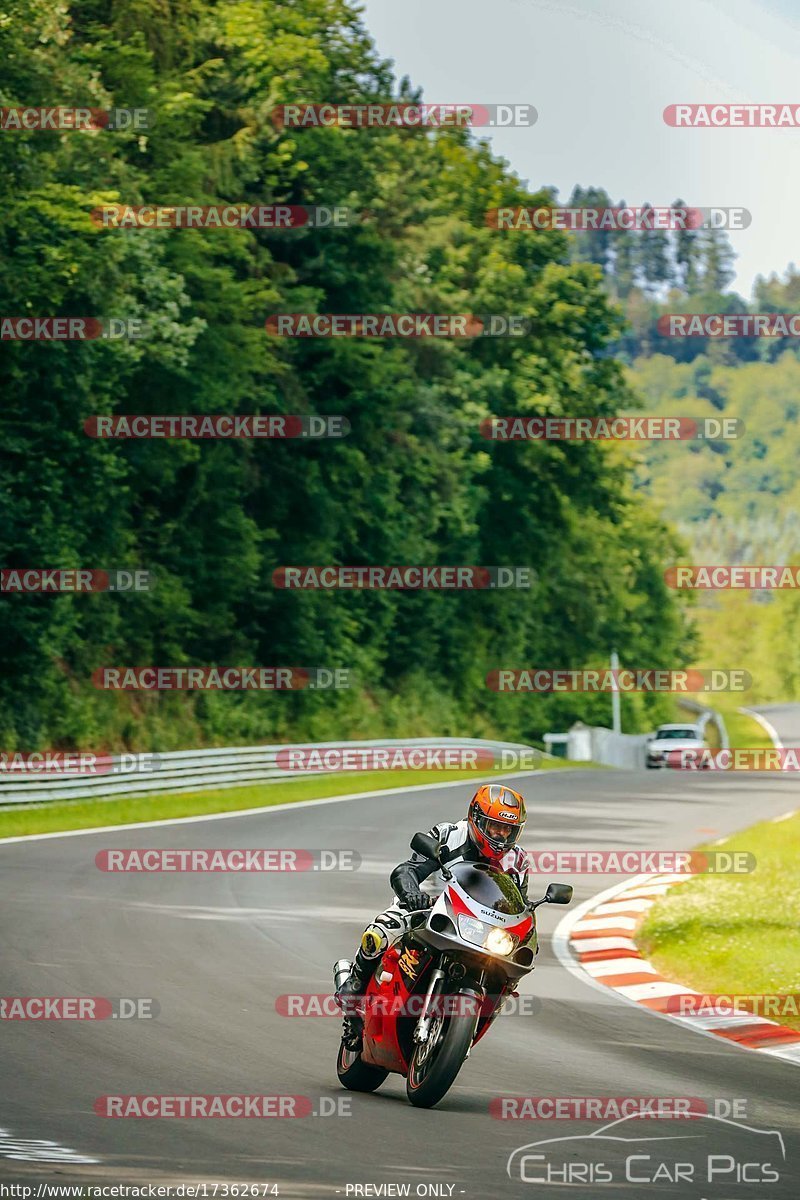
(489, 834)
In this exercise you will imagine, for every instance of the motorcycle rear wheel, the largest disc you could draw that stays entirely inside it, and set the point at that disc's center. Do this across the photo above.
(355, 1074)
(430, 1078)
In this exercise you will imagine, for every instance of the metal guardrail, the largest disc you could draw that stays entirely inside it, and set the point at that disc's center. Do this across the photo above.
(596, 743)
(227, 767)
(708, 716)
(766, 725)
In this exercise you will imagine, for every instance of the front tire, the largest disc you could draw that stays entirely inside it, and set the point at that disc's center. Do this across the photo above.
(431, 1077)
(355, 1074)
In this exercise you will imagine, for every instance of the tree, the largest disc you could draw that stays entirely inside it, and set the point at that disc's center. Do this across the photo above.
(414, 482)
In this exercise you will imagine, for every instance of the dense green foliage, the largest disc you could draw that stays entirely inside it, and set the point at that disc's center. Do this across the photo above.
(413, 483)
(740, 499)
(734, 501)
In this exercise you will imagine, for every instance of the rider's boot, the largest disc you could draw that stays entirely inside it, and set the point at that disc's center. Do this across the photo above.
(349, 994)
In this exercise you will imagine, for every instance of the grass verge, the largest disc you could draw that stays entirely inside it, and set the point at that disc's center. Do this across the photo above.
(743, 730)
(735, 934)
(55, 816)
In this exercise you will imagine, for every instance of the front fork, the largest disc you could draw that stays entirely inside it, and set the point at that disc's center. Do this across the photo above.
(423, 1027)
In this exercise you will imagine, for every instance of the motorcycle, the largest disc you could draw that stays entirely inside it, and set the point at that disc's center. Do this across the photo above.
(440, 986)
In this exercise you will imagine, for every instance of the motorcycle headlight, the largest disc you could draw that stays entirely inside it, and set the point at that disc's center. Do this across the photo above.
(471, 929)
(500, 941)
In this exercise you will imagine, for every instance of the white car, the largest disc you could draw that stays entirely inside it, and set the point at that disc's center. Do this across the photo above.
(661, 750)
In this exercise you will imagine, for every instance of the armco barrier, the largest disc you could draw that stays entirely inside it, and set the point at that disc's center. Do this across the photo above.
(231, 766)
(627, 750)
(707, 716)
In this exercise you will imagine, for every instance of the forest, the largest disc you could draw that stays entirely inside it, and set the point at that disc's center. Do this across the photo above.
(414, 482)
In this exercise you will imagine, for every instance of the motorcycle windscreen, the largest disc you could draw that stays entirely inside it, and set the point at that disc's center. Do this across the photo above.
(492, 889)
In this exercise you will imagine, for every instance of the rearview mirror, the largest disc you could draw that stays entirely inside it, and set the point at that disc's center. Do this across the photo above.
(558, 893)
(424, 844)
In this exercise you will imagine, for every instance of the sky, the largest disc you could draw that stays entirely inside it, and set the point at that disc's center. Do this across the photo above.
(600, 73)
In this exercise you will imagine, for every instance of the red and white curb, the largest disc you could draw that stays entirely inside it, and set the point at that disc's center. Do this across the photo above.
(595, 943)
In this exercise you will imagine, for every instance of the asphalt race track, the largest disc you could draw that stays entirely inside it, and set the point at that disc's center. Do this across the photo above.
(215, 950)
(785, 720)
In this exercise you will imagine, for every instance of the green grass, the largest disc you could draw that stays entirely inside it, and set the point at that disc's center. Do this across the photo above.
(743, 730)
(735, 934)
(52, 817)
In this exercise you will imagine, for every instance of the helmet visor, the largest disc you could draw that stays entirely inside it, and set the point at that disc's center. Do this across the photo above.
(501, 835)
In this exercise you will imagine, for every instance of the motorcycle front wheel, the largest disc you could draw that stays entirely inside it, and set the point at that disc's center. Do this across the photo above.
(435, 1063)
(355, 1074)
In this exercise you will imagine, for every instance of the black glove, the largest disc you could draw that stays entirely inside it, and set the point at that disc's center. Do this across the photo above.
(413, 899)
(405, 885)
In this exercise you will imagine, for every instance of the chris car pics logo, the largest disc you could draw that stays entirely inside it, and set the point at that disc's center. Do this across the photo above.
(713, 1151)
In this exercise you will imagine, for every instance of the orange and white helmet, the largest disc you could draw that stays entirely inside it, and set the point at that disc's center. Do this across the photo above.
(496, 819)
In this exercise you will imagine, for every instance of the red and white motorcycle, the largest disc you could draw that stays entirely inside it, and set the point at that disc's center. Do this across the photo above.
(440, 986)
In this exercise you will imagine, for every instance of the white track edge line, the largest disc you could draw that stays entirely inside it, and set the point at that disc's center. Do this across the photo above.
(267, 808)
